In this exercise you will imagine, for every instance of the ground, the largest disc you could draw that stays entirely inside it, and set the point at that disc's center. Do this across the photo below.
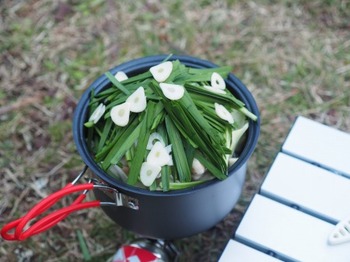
(294, 56)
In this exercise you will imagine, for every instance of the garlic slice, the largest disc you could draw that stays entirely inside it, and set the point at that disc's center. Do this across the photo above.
(154, 137)
(98, 113)
(120, 114)
(215, 90)
(137, 100)
(149, 173)
(172, 91)
(217, 81)
(197, 169)
(162, 71)
(223, 113)
(158, 155)
(121, 76)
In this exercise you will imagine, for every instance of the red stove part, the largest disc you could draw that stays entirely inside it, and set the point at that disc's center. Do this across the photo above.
(134, 254)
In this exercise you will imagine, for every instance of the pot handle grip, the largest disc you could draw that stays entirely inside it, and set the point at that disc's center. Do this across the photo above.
(52, 219)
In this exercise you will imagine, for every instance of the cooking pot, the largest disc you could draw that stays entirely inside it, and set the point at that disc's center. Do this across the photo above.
(179, 213)
(162, 215)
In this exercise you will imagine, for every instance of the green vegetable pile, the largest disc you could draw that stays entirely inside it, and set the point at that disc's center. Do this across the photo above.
(172, 127)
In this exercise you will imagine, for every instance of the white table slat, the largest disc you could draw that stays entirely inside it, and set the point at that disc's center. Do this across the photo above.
(235, 251)
(321, 144)
(316, 190)
(291, 234)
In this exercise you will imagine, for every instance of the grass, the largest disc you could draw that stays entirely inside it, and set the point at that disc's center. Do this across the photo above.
(292, 55)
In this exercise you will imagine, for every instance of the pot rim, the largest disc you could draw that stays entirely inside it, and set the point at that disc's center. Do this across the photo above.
(143, 63)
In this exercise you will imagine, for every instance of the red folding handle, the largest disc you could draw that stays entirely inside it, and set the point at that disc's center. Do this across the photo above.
(51, 219)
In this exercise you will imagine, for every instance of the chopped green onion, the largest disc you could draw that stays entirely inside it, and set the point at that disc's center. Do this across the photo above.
(215, 90)
(116, 83)
(168, 128)
(140, 150)
(182, 166)
(185, 185)
(105, 134)
(165, 177)
(124, 141)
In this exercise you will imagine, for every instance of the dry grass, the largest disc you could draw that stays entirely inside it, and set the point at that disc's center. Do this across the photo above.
(293, 56)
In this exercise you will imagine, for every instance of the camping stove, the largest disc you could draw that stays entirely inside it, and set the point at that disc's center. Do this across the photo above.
(146, 250)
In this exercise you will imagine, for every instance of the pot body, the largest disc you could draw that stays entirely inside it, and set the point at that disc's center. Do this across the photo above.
(171, 216)
(174, 214)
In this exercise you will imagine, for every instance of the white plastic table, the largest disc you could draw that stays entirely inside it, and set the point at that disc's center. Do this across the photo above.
(304, 195)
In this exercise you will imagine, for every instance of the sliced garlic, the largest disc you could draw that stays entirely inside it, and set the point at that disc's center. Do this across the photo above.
(162, 71)
(120, 114)
(158, 155)
(152, 138)
(149, 173)
(197, 169)
(172, 91)
(217, 81)
(137, 100)
(223, 113)
(121, 76)
(98, 113)
(215, 90)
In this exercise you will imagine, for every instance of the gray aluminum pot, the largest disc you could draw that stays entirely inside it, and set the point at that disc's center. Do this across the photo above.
(174, 214)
